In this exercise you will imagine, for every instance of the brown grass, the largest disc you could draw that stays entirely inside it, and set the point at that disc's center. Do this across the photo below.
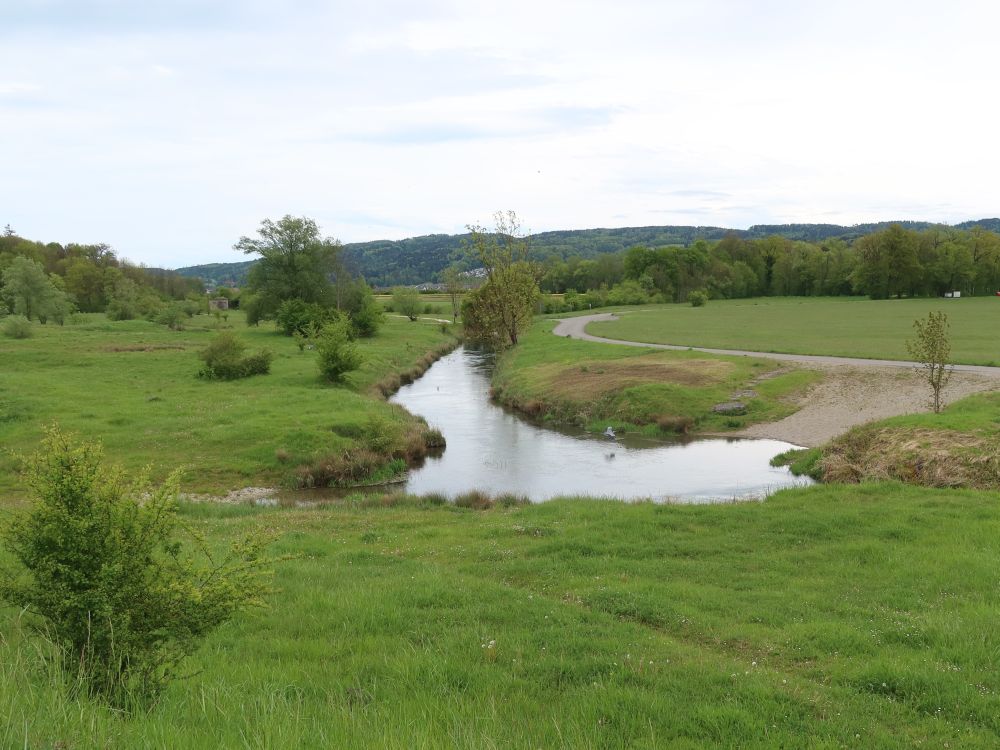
(143, 348)
(932, 458)
(680, 425)
(594, 379)
(393, 382)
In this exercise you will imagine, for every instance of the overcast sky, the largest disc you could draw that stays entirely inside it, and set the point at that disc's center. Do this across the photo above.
(168, 128)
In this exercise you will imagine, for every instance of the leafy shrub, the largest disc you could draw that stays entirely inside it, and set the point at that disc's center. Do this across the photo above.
(697, 298)
(364, 311)
(224, 359)
(100, 562)
(172, 316)
(338, 355)
(17, 327)
(297, 315)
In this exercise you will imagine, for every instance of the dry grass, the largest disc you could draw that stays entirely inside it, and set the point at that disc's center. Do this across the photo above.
(929, 457)
(594, 379)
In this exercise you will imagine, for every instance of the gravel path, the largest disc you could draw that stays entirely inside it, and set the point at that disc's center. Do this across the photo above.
(852, 392)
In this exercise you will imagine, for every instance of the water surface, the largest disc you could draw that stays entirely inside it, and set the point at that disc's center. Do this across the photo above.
(491, 449)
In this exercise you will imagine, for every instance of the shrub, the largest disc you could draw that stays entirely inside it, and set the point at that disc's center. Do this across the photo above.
(224, 359)
(364, 311)
(172, 316)
(296, 315)
(697, 298)
(17, 327)
(122, 599)
(338, 355)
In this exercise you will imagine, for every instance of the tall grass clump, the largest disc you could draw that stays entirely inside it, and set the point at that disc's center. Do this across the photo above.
(101, 568)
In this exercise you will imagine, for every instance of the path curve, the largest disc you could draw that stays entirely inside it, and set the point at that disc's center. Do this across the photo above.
(576, 328)
(852, 391)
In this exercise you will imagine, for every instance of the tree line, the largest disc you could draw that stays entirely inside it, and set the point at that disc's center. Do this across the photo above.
(891, 262)
(48, 281)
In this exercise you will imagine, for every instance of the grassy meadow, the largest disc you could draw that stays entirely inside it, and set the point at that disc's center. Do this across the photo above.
(826, 617)
(133, 385)
(841, 326)
(593, 384)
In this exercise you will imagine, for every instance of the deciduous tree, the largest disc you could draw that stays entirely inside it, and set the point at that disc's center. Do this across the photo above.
(932, 349)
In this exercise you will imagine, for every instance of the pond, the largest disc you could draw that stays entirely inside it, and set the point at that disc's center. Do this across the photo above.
(494, 450)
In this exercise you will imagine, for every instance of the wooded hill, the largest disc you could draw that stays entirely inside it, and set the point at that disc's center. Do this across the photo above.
(415, 260)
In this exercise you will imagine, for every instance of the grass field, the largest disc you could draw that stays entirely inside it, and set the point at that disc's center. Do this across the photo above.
(848, 327)
(827, 617)
(133, 385)
(595, 384)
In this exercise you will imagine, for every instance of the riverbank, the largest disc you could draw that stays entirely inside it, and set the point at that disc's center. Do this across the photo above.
(561, 380)
(133, 386)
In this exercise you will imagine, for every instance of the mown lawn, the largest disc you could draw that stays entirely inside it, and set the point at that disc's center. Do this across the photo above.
(826, 617)
(594, 384)
(133, 385)
(841, 326)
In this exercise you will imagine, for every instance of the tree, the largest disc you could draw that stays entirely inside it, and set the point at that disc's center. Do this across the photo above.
(454, 288)
(932, 349)
(30, 292)
(406, 301)
(101, 563)
(498, 312)
(338, 355)
(364, 311)
(296, 262)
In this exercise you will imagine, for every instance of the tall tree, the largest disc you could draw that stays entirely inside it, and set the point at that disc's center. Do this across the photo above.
(498, 312)
(296, 262)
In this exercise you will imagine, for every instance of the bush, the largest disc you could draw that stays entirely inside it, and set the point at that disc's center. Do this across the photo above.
(224, 359)
(122, 599)
(406, 301)
(172, 316)
(698, 298)
(338, 355)
(17, 327)
(296, 315)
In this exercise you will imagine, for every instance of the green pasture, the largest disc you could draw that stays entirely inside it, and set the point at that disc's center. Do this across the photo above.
(828, 617)
(841, 326)
(133, 385)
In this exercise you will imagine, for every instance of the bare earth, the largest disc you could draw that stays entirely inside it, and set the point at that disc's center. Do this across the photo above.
(853, 391)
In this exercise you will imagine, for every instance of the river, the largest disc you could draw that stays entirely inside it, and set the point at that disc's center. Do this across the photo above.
(493, 450)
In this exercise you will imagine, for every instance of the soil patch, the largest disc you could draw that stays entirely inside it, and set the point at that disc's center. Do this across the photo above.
(597, 378)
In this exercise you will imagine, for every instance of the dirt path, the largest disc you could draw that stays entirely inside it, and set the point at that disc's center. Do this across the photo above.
(852, 392)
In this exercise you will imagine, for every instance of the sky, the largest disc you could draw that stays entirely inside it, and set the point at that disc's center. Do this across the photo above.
(170, 128)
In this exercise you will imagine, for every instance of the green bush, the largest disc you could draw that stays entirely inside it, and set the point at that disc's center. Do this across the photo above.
(17, 327)
(296, 315)
(698, 298)
(338, 355)
(172, 316)
(224, 359)
(100, 562)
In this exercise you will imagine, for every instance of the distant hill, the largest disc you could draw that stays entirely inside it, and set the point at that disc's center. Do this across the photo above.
(417, 259)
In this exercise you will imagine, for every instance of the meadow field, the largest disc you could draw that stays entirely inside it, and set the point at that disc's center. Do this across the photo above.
(827, 617)
(832, 616)
(840, 326)
(134, 386)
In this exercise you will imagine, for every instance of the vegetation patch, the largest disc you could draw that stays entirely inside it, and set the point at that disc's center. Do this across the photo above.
(959, 447)
(591, 384)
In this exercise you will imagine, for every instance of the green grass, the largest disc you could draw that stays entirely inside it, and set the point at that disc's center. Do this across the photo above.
(133, 385)
(595, 384)
(827, 617)
(840, 326)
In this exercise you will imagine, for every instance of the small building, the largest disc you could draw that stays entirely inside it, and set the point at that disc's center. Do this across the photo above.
(218, 303)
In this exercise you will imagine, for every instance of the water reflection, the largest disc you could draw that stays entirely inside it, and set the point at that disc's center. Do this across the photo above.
(493, 450)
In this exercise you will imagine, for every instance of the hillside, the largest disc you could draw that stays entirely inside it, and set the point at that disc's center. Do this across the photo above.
(418, 259)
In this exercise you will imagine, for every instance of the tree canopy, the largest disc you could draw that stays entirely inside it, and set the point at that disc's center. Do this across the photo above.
(296, 262)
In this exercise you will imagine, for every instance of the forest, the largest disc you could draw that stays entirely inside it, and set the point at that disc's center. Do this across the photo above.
(87, 278)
